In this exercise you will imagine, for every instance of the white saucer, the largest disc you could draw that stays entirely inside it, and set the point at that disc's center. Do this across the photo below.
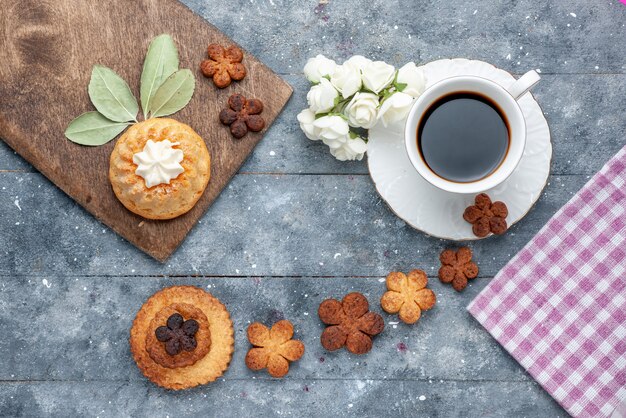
(439, 213)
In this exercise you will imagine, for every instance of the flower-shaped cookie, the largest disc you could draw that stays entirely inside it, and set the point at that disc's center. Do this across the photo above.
(242, 115)
(408, 295)
(486, 217)
(457, 267)
(223, 65)
(351, 324)
(273, 348)
(178, 334)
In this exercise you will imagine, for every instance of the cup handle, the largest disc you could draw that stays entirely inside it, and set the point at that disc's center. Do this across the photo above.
(523, 84)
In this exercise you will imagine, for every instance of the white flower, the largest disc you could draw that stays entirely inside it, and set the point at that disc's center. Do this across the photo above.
(377, 75)
(306, 119)
(318, 68)
(322, 96)
(358, 61)
(346, 148)
(395, 108)
(347, 79)
(330, 128)
(414, 79)
(361, 111)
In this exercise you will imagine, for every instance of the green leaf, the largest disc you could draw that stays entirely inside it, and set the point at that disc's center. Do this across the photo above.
(93, 129)
(341, 115)
(161, 62)
(384, 95)
(400, 86)
(174, 94)
(111, 96)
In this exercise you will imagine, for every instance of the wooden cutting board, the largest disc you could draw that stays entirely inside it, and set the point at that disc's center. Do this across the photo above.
(48, 50)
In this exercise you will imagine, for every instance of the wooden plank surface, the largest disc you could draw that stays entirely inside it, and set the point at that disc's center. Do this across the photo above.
(97, 280)
(48, 50)
(435, 364)
(262, 225)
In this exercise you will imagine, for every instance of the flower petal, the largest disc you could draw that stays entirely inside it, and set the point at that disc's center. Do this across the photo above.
(499, 209)
(391, 301)
(256, 358)
(425, 299)
(417, 280)
(358, 343)
(175, 321)
(292, 350)
(447, 257)
(472, 214)
(209, 68)
(470, 270)
(464, 255)
(258, 334)
(483, 201)
(237, 71)
(459, 283)
(371, 323)
(481, 228)
(215, 51)
(163, 333)
(497, 225)
(331, 312)
(254, 106)
(277, 365)
(221, 78)
(355, 305)
(410, 312)
(233, 54)
(281, 331)
(333, 338)
(396, 281)
(446, 274)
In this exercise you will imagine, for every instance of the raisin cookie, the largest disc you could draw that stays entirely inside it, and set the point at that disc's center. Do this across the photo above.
(182, 337)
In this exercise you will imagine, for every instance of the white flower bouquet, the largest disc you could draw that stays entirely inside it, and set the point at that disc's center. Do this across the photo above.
(348, 99)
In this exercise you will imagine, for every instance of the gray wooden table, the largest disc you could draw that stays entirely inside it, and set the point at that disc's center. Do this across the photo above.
(295, 227)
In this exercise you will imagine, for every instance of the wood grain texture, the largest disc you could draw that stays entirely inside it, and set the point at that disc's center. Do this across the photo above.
(47, 58)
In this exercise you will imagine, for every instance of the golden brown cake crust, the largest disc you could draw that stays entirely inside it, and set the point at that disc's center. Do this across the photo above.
(156, 349)
(163, 201)
(205, 370)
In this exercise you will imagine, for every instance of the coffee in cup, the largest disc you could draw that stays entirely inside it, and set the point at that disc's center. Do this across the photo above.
(467, 134)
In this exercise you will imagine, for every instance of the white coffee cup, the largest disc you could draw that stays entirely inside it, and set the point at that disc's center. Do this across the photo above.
(504, 98)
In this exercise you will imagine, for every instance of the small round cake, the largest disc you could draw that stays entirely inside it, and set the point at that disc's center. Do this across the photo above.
(182, 337)
(159, 168)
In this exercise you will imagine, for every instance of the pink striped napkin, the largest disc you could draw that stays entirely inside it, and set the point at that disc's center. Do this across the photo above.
(559, 306)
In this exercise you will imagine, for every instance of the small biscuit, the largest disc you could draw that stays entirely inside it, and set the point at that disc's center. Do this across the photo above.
(351, 324)
(242, 115)
(407, 295)
(273, 348)
(486, 217)
(223, 65)
(205, 370)
(457, 267)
